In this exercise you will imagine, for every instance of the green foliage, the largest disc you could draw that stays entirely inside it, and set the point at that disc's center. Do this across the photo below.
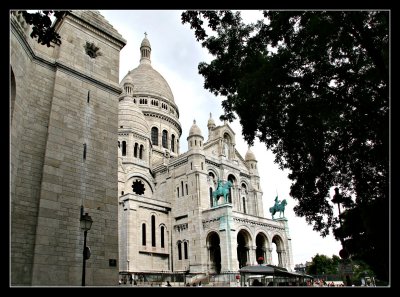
(360, 270)
(314, 87)
(42, 28)
(322, 264)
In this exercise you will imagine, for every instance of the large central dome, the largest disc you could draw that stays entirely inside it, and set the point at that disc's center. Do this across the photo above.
(148, 81)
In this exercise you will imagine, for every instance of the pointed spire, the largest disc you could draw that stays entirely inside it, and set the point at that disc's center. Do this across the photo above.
(210, 123)
(145, 50)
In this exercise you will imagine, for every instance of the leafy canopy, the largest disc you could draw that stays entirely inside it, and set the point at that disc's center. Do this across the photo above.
(42, 25)
(314, 87)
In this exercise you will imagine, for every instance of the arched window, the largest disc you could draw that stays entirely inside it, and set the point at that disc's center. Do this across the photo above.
(211, 178)
(187, 191)
(226, 145)
(177, 190)
(153, 230)
(143, 234)
(165, 139)
(135, 150)
(211, 197)
(162, 236)
(124, 148)
(244, 205)
(183, 193)
(173, 143)
(179, 250)
(154, 136)
(141, 152)
(185, 249)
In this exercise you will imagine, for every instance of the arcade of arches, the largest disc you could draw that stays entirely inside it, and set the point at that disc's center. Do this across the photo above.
(247, 249)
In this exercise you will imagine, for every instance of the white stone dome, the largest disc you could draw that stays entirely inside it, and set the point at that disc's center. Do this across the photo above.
(194, 130)
(128, 80)
(145, 42)
(250, 156)
(145, 79)
(130, 116)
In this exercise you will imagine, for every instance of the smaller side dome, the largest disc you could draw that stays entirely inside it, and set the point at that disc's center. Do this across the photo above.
(250, 156)
(128, 86)
(128, 79)
(210, 122)
(195, 130)
(130, 116)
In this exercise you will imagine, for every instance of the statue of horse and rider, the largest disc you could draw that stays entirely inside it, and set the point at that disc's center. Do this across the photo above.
(222, 190)
(278, 206)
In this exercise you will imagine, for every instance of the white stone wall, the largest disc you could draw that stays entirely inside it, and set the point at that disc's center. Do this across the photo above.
(53, 120)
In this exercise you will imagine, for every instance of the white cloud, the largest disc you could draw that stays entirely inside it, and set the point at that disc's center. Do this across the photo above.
(176, 55)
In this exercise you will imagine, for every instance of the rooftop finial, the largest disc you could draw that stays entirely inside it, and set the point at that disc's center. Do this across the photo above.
(194, 122)
(145, 50)
(210, 115)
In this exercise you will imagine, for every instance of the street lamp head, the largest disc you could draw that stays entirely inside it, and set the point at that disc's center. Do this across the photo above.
(336, 191)
(337, 198)
(86, 222)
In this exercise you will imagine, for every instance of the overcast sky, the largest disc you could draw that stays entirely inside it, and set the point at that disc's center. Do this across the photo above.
(175, 55)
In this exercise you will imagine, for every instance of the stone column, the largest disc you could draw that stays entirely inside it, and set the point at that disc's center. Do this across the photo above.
(264, 254)
(280, 264)
(269, 256)
(253, 259)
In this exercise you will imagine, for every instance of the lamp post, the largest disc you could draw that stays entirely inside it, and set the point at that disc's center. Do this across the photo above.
(86, 224)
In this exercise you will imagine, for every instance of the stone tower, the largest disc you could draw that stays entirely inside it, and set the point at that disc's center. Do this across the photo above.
(64, 117)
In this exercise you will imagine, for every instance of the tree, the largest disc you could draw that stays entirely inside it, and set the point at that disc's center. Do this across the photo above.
(42, 25)
(322, 264)
(314, 87)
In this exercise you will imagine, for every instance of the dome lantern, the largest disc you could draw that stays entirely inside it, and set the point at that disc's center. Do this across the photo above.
(145, 50)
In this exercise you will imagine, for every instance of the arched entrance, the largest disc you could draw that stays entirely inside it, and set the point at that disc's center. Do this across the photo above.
(280, 250)
(243, 240)
(214, 252)
(261, 247)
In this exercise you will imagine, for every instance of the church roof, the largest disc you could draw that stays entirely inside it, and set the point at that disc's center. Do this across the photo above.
(147, 80)
(194, 130)
(250, 156)
(131, 116)
(145, 42)
(97, 20)
(210, 122)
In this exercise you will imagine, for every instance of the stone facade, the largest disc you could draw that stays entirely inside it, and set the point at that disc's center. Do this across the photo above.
(64, 117)
(151, 205)
(168, 218)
